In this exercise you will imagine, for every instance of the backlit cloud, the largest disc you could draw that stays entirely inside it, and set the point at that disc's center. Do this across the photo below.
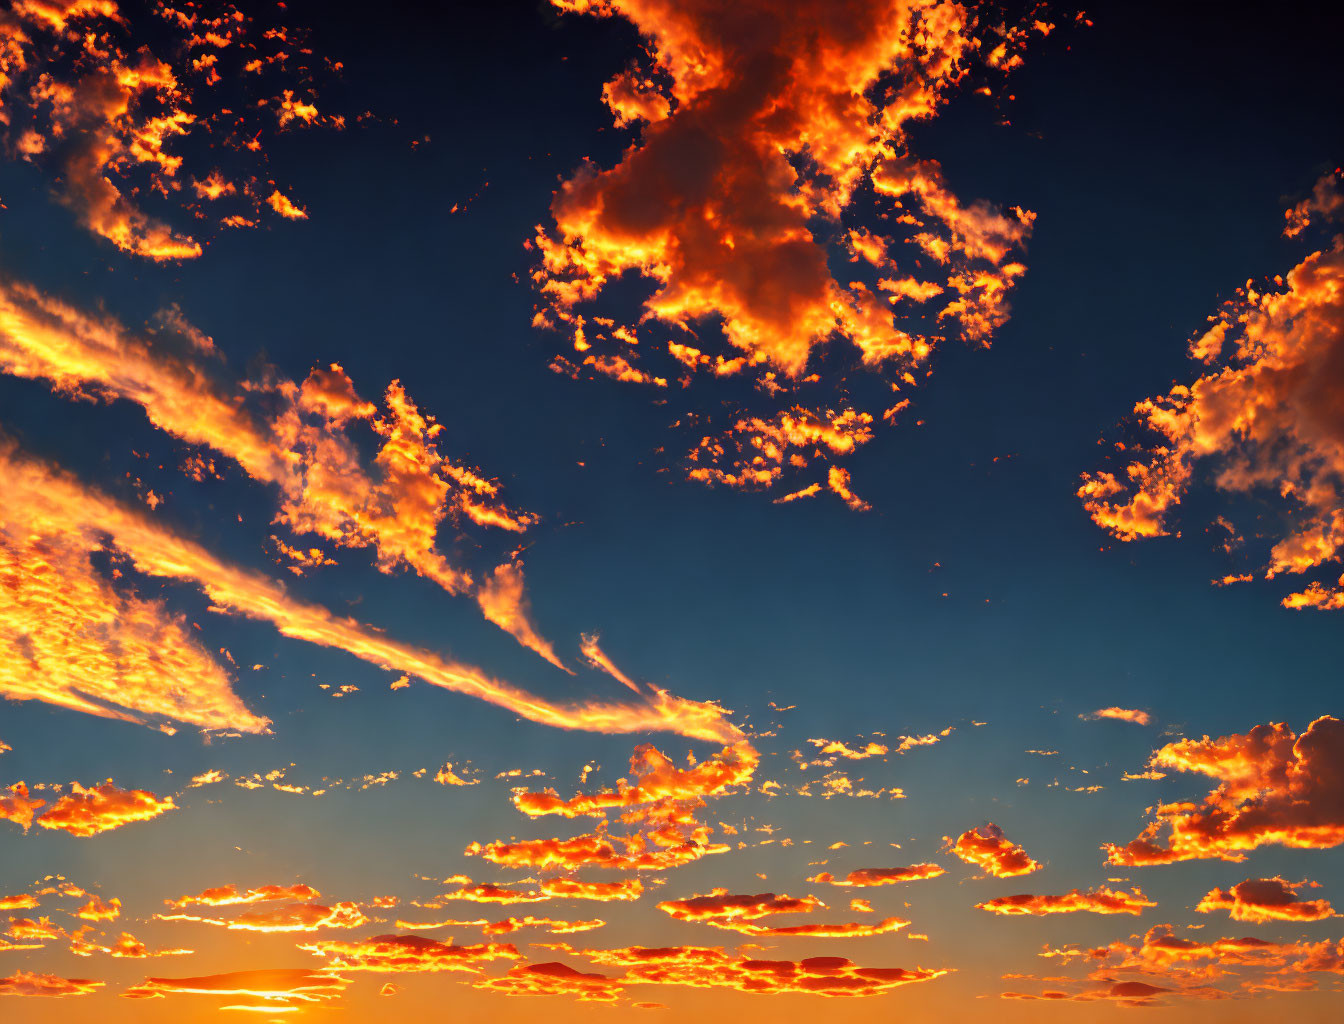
(1266, 899)
(114, 102)
(1261, 421)
(990, 850)
(29, 983)
(762, 141)
(55, 499)
(1274, 787)
(87, 811)
(868, 877)
(1103, 900)
(739, 913)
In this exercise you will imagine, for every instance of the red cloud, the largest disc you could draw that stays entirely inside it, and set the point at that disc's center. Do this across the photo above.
(1273, 787)
(739, 913)
(409, 953)
(1098, 901)
(704, 967)
(1266, 899)
(988, 848)
(863, 877)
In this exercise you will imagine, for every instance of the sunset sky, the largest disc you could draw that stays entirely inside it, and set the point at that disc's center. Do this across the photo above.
(828, 510)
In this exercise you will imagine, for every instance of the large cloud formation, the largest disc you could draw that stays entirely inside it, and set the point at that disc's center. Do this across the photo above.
(1264, 420)
(761, 133)
(1274, 787)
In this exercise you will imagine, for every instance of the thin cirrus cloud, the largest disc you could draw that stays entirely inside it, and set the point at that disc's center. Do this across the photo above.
(63, 505)
(298, 437)
(109, 101)
(749, 131)
(1262, 420)
(1275, 787)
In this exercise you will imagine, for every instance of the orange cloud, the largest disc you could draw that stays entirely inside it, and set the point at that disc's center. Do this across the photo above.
(89, 811)
(504, 603)
(409, 953)
(57, 500)
(27, 983)
(1266, 899)
(294, 436)
(711, 967)
(988, 848)
(19, 901)
(89, 99)
(752, 129)
(1121, 715)
(739, 913)
(297, 917)
(661, 804)
(99, 909)
(1261, 421)
(17, 806)
(1098, 901)
(866, 877)
(276, 986)
(281, 204)
(228, 895)
(1273, 787)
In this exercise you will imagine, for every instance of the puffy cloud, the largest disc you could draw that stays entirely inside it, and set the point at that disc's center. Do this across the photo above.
(1102, 900)
(661, 803)
(867, 877)
(283, 205)
(87, 811)
(19, 901)
(55, 499)
(28, 983)
(1266, 899)
(1262, 420)
(738, 913)
(1121, 715)
(1273, 787)
(17, 806)
(99, 909)
(762, 134)
(409, 953)
(989, 849)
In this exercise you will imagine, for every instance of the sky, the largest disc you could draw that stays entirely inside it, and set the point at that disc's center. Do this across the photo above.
(602, 507)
